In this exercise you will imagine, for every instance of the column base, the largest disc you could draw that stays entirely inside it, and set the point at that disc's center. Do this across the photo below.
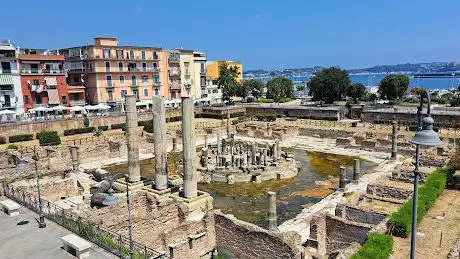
(120, 185)
(157, 192)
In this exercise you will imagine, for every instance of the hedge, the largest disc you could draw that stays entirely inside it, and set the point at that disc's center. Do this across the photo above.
(103, 128)
(266, 116)
(78, 131)
(2, 140)
(284, 100)
(48, 138)
(265, 100)
(399, 223)
(118, 126)
(377, 246)
(20, 137)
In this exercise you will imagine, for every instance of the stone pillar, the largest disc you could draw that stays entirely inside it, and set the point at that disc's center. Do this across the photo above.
(356, 169)
(74, 156)
(174, 144)
(188, 147)
(228, 123)
(159, 137)
(343, 176)
(253, 153)
(272, 216)
(204, 157)
(394, 141)
(133, 144)
(269, 129)
(219, 143)
(278, 151)
(264, 157)
(205, 140)
(275, 152)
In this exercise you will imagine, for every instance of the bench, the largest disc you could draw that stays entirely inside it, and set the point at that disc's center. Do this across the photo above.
(75, 243)
(10, 207)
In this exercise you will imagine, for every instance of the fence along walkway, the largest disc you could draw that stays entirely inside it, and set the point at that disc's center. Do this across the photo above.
(116, 244)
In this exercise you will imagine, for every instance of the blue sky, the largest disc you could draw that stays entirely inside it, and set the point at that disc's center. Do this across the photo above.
(261, 34)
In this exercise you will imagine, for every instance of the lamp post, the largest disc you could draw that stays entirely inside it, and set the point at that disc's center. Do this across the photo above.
(41, 216)
(425, 136)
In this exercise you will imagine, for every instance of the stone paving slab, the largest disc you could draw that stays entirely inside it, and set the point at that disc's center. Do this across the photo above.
(29, 241)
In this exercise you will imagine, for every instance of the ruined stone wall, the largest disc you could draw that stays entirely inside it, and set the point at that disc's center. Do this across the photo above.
(324, 133)
(454, 252)
(164, 224)
(388, 192)
(341, 233)
(51, 188)
(241, 239)
(351, 213)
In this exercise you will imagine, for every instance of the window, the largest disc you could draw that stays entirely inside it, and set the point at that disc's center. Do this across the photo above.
(156, 91)
(143, 54)
(6, 68)
(133, 80)
(26, 99)
(144, 67)
(146, 92)
(155, 66)
(124, 93)
(156, 79)
(107, 66)
(122, 79)
(131, 54)
(35, 82)
(119, 54)
(106, 53)
(34, 68)
(110, 95)
(155, 55)
(109, 81)
(64, 99)
(120, 67)
(202, 68)
(145, 78)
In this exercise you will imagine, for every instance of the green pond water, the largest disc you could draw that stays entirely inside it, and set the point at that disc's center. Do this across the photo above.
(249, 201)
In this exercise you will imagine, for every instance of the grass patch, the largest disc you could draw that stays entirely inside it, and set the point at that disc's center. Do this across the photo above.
(400, 223)
(377, 246)
(265, 100)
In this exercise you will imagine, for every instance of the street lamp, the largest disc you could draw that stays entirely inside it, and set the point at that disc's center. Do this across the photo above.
(41, 216)
(425, 136)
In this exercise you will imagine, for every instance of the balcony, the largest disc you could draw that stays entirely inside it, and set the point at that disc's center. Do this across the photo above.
(42, 72)
(173, 60)
(175, 87)
(188, 86)
(156, 84)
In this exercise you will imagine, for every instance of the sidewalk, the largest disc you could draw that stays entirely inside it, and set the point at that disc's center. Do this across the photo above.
(29, 241)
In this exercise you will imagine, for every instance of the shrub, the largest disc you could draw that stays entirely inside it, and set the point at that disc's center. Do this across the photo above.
(443, 100)
(78, 131)
(86, 122)
(265, 100)
(21, 137)
(48, 138)
(284, 100)
(266, 116)
(399, 223)
(377, 246)
(119, 126)
(12, 146)
(2, 140)
(103, 128)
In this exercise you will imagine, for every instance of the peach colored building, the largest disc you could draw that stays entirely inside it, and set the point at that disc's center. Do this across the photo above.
(109, 72)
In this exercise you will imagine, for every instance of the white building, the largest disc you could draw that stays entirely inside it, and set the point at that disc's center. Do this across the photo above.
(11, 98)
(199, 75)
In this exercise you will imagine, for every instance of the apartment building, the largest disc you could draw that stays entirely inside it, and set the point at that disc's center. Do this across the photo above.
(212, 68)
(43, 79)
(10, 84)
(199, 76)
(109, 72)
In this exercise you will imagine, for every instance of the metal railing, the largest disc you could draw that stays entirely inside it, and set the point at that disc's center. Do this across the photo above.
(115, 243)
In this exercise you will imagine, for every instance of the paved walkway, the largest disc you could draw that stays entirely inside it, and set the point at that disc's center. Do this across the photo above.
(29, 241)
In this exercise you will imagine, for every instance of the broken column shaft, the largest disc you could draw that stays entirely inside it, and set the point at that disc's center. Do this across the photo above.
(188, 147)
(343, 176)
(272, 216)
(356, 169)
(132, 143)
(394, 141)
(159, 135)
(228, 123)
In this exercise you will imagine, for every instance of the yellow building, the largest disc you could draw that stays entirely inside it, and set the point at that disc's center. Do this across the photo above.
(212, 69)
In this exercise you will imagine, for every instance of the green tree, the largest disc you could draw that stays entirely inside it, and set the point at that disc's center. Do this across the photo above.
(329, 84)
(300, 87)
(393, 87)
(356, 91)
(279, 87)
(251, 86)
(227, 80)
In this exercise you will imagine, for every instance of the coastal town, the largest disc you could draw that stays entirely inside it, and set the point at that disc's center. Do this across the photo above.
(112, 147)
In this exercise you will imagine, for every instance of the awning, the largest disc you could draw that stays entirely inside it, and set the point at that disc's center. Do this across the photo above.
(50, 81)
(6, 79)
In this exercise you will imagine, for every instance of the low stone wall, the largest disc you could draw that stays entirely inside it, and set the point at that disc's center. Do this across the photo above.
(358, 215)
(51, 188)
(240, 239)
(340, 233)
(324, 133)
(388, 192)
(306, 112)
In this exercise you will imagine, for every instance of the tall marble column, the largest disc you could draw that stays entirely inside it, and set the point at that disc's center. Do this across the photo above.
(219, 147)
(132, 143)
(275, 152)
(356, 169)
(228, 123)
(272, 215)
(343, 176)
(253, 153)
(205, 140)
(394, 141)
(159, 137)
(74, 156)
(188, 146)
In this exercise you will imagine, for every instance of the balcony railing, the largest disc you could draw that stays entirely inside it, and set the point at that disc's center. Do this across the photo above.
(174, 86)
(174, 60)
(43, 71)
(77, 102)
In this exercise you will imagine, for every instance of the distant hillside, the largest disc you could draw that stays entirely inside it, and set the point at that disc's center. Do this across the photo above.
(408, 67)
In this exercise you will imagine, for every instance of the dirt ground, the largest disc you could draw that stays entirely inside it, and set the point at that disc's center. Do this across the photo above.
(429, 243)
